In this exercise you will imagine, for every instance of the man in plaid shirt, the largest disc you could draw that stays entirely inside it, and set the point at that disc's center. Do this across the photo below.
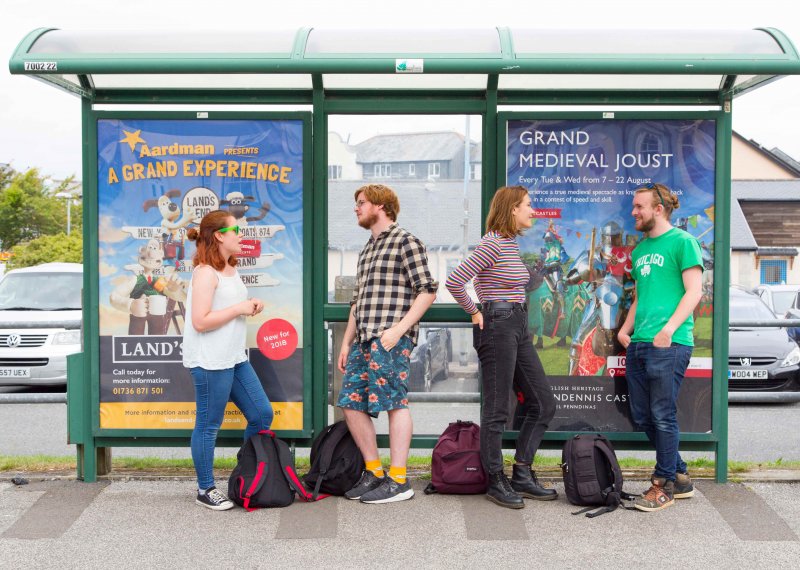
(394, 288)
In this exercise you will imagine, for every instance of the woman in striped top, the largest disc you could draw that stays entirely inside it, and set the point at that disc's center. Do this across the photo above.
(509, 362)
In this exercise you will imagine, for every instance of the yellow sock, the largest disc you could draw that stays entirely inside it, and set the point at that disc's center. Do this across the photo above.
(375, 467)
(398, 474)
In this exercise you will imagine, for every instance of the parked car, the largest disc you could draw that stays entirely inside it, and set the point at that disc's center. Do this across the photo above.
(763, 362)
(793, 312)
(431, 358)
(777, 297)
(40, 323)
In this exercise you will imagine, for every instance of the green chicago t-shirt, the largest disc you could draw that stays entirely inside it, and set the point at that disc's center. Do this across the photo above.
(658, 265)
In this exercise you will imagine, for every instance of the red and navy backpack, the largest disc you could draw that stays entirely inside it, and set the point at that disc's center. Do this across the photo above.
(264, 475)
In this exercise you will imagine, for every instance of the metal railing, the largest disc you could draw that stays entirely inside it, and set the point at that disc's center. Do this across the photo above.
(420, 397)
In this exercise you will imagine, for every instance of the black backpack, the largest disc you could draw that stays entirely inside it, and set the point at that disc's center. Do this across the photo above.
(264, 475)
(456, 461)
(336, 462)
(592, 476)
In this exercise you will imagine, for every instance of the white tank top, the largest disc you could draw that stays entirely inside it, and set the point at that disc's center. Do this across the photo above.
(223, 347)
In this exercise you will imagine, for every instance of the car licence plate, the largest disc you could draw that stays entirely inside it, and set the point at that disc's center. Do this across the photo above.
(15, 372)
(748, 374)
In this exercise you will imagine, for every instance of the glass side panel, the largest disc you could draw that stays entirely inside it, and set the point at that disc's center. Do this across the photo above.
(731, 42)
(198, 81)
(403, 42)
(422, 158)
(115, 41)
(609, 82)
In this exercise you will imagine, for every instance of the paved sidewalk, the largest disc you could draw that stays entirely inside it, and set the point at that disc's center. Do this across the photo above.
(121, 523)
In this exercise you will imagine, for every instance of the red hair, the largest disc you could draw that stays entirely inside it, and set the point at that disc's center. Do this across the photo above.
(207, 245)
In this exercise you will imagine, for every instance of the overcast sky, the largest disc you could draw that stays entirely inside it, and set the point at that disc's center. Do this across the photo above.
(40, 125)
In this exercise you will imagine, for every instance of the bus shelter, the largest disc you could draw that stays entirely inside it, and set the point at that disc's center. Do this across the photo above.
(178, 124)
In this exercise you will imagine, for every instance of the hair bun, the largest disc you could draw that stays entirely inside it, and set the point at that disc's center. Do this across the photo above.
(192, 234)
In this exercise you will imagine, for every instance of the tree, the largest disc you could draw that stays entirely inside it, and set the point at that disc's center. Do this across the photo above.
(29, 209)
(58, 247)
(6, 174)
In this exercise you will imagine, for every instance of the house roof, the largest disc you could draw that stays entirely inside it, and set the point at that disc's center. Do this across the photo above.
(775, 155)
(761, 191)
(411, 147)
(434, 212)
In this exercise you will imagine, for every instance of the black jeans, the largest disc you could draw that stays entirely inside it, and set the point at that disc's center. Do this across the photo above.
(509, 362)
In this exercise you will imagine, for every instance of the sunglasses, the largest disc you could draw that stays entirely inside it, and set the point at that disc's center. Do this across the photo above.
(654, 187)
(235, 230)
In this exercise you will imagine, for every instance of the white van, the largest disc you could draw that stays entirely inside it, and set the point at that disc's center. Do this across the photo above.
(40, 323)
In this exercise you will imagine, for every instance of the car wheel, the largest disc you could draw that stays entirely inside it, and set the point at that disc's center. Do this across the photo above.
(427, 374)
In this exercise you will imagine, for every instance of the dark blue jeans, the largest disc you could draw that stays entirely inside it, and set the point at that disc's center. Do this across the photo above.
(654, 378)
(212, 390)
(509, 362)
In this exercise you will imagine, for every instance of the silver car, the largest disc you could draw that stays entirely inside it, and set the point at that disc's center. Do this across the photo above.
(40, 323)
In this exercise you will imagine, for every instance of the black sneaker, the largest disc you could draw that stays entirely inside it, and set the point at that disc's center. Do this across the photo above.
(389, 491)
(214, 499)
(684, 489)
(368, 482)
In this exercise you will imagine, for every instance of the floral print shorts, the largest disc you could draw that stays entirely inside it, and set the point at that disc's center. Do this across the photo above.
(376, 380)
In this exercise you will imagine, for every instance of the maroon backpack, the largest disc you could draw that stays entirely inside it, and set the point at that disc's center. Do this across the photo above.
(456, 461)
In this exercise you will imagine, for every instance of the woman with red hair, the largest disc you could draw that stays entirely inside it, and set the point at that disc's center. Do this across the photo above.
(214, 347)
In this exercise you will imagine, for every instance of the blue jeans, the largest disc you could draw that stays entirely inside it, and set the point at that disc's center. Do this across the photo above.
(212, 390)
(654, 378)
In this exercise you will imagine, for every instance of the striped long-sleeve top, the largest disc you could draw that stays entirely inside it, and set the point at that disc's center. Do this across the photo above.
(497, 269)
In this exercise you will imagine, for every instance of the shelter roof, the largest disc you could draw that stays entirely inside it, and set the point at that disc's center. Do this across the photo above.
(701, 63)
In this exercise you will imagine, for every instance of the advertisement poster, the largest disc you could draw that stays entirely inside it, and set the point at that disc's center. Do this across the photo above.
(581, 175)
(156, 179)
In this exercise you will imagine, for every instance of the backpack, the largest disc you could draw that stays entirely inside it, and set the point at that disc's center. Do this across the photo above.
(264, 475)
(336, 462)
(456, 461)
(592, 476)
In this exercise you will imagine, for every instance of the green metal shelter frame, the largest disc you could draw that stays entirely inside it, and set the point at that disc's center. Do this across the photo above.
(497, 73)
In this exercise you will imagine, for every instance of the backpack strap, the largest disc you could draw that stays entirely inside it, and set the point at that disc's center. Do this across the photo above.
(291, 475)
(261, 469)
(603, 447)
(336, 433)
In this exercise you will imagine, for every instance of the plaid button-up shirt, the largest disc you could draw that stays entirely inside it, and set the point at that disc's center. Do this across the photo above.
(392, 271)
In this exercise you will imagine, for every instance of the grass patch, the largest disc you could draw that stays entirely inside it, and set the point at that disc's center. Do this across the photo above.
(52, 463)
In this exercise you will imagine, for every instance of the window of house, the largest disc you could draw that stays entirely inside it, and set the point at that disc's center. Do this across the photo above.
(773, 271)
(434, 169)
(382, 170)
(334, 171)
(412, 169)
(474, 171)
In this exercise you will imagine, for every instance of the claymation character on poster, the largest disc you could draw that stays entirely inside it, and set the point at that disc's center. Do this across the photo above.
(581, 175)
(156, 179)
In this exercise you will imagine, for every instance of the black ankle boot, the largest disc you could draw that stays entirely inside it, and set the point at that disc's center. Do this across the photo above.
(501, 493)
(525, 483)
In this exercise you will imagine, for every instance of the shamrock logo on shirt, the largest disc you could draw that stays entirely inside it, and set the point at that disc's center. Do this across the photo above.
(646, 270)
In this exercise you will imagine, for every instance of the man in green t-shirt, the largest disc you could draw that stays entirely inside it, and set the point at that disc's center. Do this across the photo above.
(668, 269)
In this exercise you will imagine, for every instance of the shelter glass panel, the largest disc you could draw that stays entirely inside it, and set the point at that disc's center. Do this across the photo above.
(610, 82)
(405, 42)
(440, 205)
(159, 42)
(443, 368)
(204, 81)
(403, 81)
(634, 42)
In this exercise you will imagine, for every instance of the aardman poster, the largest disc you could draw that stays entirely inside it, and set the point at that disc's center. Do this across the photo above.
(581, 175)
(156, 179)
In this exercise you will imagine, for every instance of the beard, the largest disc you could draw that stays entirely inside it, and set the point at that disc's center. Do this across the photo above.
(646, 226)
(367, 222)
